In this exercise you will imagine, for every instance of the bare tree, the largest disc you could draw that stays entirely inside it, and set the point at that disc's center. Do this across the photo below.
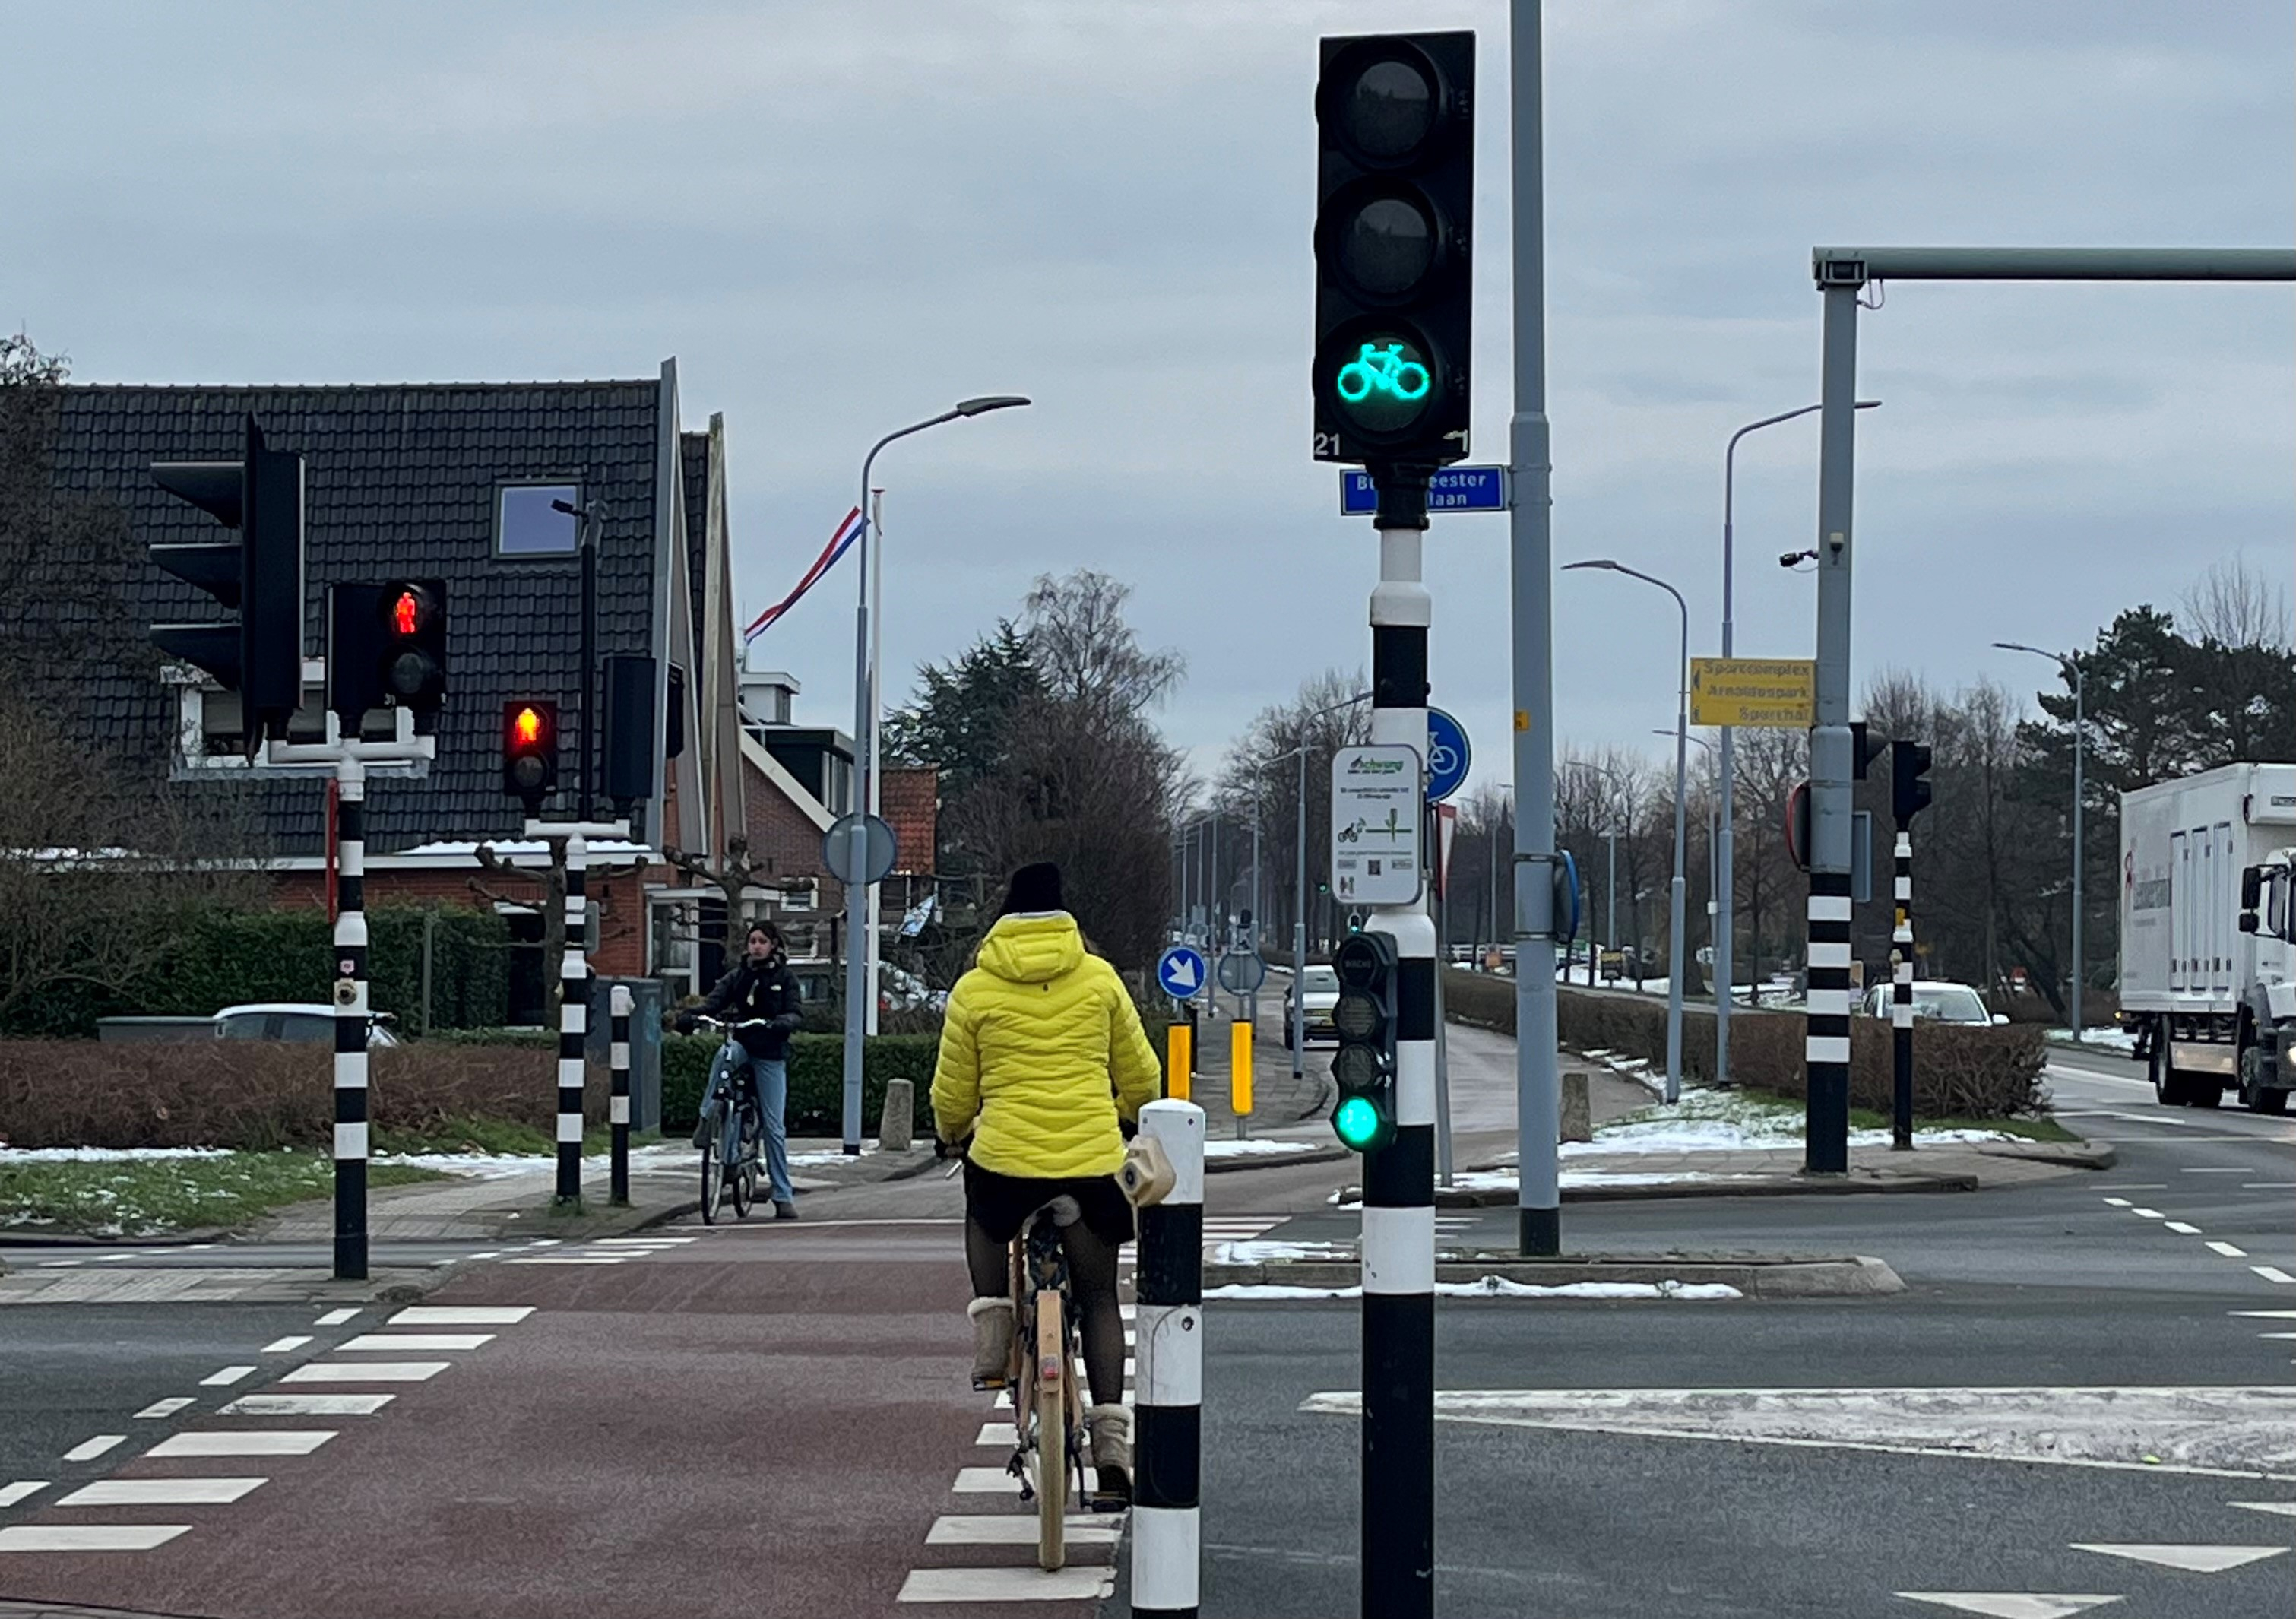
(2237, 606)
(1320, 720)
(550, 900)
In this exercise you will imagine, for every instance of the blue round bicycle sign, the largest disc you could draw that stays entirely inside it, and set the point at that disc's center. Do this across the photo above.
(1447, 755)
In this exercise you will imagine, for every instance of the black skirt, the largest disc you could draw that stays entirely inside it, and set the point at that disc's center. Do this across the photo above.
(1000, 1204)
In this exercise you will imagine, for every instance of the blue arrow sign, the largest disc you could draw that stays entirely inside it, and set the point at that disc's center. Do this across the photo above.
(1180, 973)
(1454, 489)
(1448, 756)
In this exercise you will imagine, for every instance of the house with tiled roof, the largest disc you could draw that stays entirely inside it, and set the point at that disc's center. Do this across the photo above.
(460, 483)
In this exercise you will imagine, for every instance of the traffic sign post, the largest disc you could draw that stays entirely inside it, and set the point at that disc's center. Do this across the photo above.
(1448, 756)
(1778, 692)
(1180, 973)
(1456, 489)
(1377, 814)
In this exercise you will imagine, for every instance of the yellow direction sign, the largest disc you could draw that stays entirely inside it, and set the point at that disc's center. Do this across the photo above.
(1780, 692)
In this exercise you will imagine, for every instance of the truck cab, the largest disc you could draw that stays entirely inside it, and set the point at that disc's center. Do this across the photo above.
(2267, 918)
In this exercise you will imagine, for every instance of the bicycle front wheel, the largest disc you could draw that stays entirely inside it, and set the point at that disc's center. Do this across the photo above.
(1052, 1412)
(743, 1179)
(712, 1174)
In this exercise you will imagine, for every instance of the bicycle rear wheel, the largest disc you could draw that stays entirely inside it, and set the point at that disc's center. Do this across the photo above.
(712, 1176)
(1051, 1385)
(744, 1175)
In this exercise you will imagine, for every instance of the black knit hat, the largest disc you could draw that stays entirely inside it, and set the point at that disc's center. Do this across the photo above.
(1034, 888)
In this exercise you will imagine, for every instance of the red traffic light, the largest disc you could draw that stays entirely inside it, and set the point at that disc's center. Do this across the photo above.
(529, 751)
(406, 612)
(531, 725)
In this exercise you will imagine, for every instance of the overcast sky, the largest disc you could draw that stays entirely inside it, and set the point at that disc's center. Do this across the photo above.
(841, 215)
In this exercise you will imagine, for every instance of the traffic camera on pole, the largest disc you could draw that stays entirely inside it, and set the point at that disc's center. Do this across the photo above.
(1909, 788)
(1363, 1068)
(530, 753)
(259, 574)
(1395, 204)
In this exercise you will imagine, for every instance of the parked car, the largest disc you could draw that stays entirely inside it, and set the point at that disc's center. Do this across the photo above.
(1935, 1001)
(1317, 991)
(307, 1023)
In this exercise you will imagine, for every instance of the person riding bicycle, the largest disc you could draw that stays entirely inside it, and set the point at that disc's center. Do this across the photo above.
(1041, 1050)
(762, 988)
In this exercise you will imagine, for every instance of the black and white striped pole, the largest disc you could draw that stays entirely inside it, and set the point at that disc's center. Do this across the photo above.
(351, 1019)
(1169, 1386)
(573, 1022)
(1398, 1205)
(618, 1060)
(1901, 1002)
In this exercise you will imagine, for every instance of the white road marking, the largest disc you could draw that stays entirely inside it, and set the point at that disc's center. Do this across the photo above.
(2268, 1186)
(89, 1537)
(2009, 1605)
(1071, 1584)
(2219, 1169)
(2284, 1509)
(167, 1407)
(307, 1405)
(162, 1492)
(642, 1242)
(1020, 1529)
(286, 1345)
(371, 1371)
(985, 1481)
(335, 1318)
(460, 1315)
(565, 1259)
(2265, 1315)
(1003, 1401)
(2182, 1230)
(252, 1442)
(2148, 1214)
(997, 1434)
(427, 1342)
(2191, 1559)
(23, 1489)
(90, 1448)
(225, 1378)
(2276, 1335)
(2274, 1273)
(489, 1254)
(2228, 1250)
(2118, 1203)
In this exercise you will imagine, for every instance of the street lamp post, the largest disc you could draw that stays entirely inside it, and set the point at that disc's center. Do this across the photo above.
(2071, 666)
(1681, 770)
(1725, 880)
(861, 896)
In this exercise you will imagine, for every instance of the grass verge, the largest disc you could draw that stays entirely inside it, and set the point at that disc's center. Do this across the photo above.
(153, 1197)
(476, 1135)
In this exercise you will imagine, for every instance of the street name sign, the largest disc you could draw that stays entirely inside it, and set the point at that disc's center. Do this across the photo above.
(1180, 973)
(1378, 813)
(1448, 756)
(1779, 693)
(1454, 489)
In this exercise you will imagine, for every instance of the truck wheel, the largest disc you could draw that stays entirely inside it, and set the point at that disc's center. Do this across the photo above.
(2270, 1102)
(2167, 1085)
(2253, 1095)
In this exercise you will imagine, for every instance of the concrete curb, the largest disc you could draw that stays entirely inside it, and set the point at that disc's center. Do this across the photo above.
(1275, 1161)
(2072, 1154)
(1866, 1181)
(1757, 1276)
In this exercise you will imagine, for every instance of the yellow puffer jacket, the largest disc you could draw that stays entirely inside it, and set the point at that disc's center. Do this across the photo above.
(1035, 1039)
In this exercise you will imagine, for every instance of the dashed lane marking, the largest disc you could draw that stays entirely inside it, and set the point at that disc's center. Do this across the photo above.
(998, 1433)
(167, 1407)
(2118, 1203)
(89, 1537)
(2276, 1335)
(2182, 1230)
(1020, 1529)
(983, 1481)
(89, 1450)
(23, 1489)
(2148, 1214)
(2274, 1273)
(162, 1492)
(567, 1259)
(335, 1318)
(287, 1346)
(2268, 1186)
(2220, 1169)
(2191, 1559)
(2265, 1315)
(2010, 1603)
(2228, 1250)
(371, 1371)
(263, 1441)
(307, 1405)
(1069, 1584)
(228, 1376)
(460, 1315)
(412, 1341)
(2284, 1509)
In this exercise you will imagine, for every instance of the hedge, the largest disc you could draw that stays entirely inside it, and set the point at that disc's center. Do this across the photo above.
(218, 958)
(817, 1079)
(1958, 1072)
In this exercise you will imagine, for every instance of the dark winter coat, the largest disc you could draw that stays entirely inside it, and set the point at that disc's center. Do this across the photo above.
(769, 991)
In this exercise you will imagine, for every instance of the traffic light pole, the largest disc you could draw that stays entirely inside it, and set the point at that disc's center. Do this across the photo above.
(1399, 1201)
(1539, 1095)
(1901, 999)
(350, 756)
(573, 993)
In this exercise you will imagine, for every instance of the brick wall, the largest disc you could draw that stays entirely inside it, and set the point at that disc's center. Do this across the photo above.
(618, 952)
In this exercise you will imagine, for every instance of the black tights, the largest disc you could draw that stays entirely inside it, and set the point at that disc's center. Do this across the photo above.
(1092, 1279)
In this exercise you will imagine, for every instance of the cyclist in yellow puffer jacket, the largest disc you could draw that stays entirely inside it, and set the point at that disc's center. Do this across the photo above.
(1041, 1049)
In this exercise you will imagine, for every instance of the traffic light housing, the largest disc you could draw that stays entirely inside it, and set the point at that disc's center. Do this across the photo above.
(386, 648)
(1864, 750)
(530, 752)
(1395, 196)
(1363, 1068)
(259, 574)
(630, 769)
(1909, 788)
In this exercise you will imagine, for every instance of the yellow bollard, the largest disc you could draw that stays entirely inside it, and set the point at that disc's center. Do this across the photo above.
(1239, 1067)
(1178, 1059)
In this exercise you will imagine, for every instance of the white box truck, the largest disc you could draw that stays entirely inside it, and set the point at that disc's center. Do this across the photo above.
(2208, 934)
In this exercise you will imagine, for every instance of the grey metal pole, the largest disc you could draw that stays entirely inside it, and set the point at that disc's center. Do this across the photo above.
(1825, 1052)
(1300, 934)
(2081, 851)
(1539, 1101)
(1612, 837)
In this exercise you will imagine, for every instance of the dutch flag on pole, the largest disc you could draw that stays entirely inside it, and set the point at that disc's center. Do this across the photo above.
(840, 542)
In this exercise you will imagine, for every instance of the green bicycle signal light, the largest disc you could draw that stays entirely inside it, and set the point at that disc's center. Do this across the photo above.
(1363, 1068)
